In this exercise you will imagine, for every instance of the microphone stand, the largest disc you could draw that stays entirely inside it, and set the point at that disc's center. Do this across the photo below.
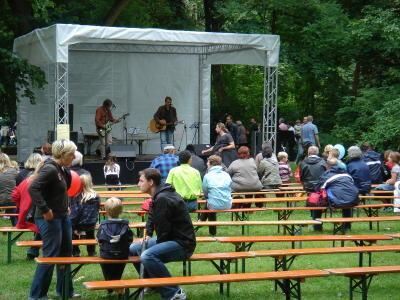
(195, 126)
(125, 130)
(183, 133)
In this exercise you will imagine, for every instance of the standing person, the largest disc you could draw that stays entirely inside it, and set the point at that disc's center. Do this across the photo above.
(285, 172)
(224, 145)
(166, 116)
(165, 162)
(186, 180)
(309, 132)
(49, 194)
(84, 213)
(104, 119)
(217, 190)
(176, 240)
(232, 128)
(114, 237)
(242, 137)
(8, 175)
(111, 172)
(252, 132)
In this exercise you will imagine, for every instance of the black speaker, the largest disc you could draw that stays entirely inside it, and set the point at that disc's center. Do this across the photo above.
(71, 116)
(200, 147)
(50, 136)
(123, 151)
(73, 136)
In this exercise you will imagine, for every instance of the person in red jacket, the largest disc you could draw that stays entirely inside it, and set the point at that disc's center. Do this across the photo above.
(20, 195)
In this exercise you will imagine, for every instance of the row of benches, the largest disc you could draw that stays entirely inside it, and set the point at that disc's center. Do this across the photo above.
(283, 260)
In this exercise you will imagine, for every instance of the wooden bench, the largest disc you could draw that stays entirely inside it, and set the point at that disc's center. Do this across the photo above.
(338, 223)
(8, 215)
(10, 239)
(289, 281)
(86, 242)
(244, 243)
(360, 278)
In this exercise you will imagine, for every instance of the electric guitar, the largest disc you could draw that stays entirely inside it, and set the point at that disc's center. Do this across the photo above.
(156, 127)
(108, 127)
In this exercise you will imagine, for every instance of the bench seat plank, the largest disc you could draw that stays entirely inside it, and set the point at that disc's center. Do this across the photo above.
(364, 270)
(203, 279)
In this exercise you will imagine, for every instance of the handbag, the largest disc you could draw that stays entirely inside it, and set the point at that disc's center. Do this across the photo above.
(317, 199)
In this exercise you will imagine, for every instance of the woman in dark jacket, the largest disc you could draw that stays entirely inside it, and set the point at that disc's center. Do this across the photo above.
(48, 191)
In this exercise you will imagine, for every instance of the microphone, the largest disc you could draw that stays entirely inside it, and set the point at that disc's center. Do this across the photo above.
(113, 105)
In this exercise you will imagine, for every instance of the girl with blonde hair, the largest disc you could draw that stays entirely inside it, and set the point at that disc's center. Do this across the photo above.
(84, 214)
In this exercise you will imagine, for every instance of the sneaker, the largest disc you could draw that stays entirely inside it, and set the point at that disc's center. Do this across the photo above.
(180, 295)
(75, 296)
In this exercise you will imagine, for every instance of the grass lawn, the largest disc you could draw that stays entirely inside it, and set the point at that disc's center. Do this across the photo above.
(17, 276)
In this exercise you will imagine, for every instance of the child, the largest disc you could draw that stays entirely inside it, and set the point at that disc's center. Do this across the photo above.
(285, 172)
(111, 171)
(84, 214)
(334, 153)
(114, 237)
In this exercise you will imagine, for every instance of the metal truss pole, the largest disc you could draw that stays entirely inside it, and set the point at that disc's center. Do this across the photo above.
(270, 111)
(61, 94)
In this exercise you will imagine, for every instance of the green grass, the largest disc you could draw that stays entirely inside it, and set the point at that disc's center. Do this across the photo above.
(17, 276)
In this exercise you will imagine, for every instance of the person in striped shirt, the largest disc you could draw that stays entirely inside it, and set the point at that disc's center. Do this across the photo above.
(285, 172)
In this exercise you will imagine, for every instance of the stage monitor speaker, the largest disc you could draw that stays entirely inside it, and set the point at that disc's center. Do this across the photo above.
(200, 147)
(123, 151)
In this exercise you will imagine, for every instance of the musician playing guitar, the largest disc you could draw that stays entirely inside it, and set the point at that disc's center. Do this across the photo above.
(166, 118)
(104, 119)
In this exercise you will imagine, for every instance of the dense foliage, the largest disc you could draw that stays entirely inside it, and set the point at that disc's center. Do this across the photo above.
(340, 60)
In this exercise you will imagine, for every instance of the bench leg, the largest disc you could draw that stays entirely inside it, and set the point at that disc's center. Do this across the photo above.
(291, 288)
(10, 242)
(362, 283)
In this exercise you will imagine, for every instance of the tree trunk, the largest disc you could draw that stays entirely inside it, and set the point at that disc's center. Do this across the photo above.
(115, 11)
(213, 23)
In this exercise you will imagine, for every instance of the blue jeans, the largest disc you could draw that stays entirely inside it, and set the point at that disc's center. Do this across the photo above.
(57, 241)
(154, 259)
(191, 205)
(385, 187)
(166, 137)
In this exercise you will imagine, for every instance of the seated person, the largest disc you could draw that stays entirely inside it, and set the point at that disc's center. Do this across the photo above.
(216, 189)
(358, 170)
(186, 180)
(114, 237)
(394, 159)
(176, 240)
(340, 189)
(334, 153)
(268, 170)
(244, 172)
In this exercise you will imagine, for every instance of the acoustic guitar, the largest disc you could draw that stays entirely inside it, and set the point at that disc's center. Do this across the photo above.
(156, 127)
(108, 127)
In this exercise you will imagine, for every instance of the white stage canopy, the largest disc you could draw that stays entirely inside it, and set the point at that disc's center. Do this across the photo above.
(136, 69)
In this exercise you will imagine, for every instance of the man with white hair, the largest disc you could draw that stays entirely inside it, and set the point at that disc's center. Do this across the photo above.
(358, 170)
(311, 169)
(165, 162)
(77, 164)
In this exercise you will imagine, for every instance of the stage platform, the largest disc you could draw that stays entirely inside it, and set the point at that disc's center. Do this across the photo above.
(129, 168)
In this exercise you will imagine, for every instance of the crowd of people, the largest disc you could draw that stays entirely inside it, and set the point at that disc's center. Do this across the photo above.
(175, 183)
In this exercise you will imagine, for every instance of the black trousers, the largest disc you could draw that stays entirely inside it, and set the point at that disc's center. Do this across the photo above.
(211, 217)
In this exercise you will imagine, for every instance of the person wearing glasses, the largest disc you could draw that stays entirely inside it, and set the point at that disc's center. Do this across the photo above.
(48, 191)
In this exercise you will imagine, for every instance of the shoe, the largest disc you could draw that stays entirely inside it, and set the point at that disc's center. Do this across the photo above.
(75, 296)
(180, 295)
(30, 256)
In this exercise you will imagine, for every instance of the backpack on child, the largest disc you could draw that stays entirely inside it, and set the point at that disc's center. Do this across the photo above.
(114, 237)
